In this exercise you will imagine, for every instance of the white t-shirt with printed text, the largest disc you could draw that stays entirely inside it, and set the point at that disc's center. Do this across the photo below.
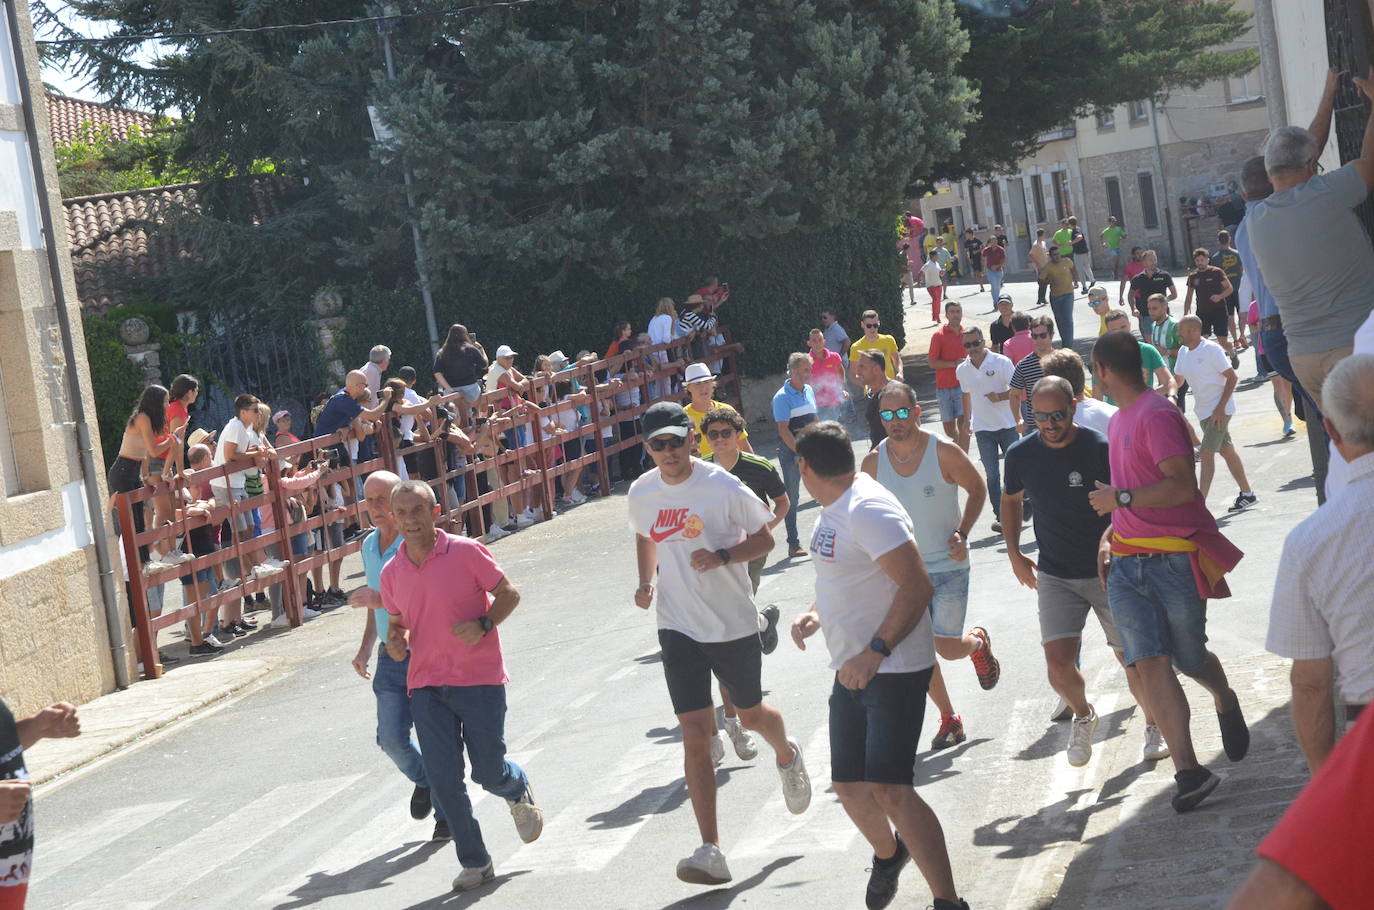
(992, 376)
(853, 593)
(711, 509)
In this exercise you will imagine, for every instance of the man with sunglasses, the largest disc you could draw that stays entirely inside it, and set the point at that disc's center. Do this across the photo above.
(873, 340)
(925, 473)
(871, 372)
(871, 594)
(1161, 559)
(696, 528)
(1061, 462)
(1028, 370)
(985, 379)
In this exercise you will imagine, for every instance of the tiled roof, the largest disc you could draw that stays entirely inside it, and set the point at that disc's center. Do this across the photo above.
(66, 117)
(111, 242)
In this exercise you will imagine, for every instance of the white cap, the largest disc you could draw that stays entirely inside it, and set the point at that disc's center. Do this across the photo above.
(558, 359)
(504, 351)
(697, 372)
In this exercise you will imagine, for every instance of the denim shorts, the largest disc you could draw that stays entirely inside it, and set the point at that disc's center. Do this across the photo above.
(951, 402)
(875, 732)
(300, 544)
(1157, 609)
(949, 603)
(203, 576)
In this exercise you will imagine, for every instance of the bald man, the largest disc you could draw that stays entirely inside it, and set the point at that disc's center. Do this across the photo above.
(1212, 379)
(394, 721)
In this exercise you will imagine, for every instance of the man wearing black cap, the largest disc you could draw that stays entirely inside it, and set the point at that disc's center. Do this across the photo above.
(697, 526)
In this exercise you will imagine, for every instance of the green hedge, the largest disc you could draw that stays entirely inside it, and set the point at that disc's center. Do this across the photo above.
(115, 381)
(779, 287)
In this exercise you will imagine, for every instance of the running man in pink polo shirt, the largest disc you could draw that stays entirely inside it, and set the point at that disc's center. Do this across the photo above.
(446, 595)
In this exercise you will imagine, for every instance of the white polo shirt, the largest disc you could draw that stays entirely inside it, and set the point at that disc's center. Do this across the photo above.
(992, 376)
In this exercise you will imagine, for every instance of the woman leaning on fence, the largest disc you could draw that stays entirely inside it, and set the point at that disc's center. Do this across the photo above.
(147, 435)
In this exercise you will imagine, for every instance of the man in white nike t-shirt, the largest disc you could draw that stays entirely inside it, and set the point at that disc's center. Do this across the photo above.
(696, 528)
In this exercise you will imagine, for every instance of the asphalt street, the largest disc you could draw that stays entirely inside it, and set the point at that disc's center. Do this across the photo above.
(280, 798)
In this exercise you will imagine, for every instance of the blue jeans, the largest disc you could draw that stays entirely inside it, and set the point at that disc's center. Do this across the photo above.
(1276, 352)
(791, 479)
(995, 283)
(992, 444)
(1062, 307)
(446, 719)
(1158, 610)
(394, 721)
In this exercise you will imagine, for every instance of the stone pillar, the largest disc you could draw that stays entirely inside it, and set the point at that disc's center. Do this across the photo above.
(328, 304)
(144, 354)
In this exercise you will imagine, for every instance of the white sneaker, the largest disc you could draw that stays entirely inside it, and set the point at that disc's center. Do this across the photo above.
(495, 533)
(307, 613)
(274, 563)
(213, 642)
(1062, 711)
(473, 878)
(529, 818)
(228, 584)
(1155, 746)
(176, 558)
(745, 747)
(706, 866)
(263, 570)
(525, 519)
(281, 622)
(1081, 739)
(155, 565)
(796, 784)
(717, 748)
(577, 498)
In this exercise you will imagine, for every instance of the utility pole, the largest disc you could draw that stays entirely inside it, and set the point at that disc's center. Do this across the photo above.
(1271, 71)
(380, 131)
(1164, 184)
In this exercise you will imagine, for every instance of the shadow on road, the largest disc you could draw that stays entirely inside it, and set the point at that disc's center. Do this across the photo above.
(657, 800)
(1056, 735)
(468, 898)
(724, 897)
(933, 766)
(365, 876)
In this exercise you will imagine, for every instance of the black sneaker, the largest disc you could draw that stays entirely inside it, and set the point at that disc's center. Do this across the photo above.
(166, 659)
(420, 803)
(225, 633)
(205, 649)
(882, 879)
(1194, 785)
(240, 628)
(249, 624)
(1243, 502)
(942, 904)
(260, 598)
(768, 638)
(334, 598)
(1235, 735)
(441, 832)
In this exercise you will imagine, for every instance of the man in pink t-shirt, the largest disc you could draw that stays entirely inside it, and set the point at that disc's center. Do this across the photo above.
(446, 595)
(1020, 343)
(1148, 559)
(827, 377)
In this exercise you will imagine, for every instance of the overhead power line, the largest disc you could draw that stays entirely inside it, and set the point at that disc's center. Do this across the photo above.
(291, 26)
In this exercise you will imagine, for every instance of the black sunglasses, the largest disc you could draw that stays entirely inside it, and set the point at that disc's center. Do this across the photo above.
(870, 325)
(1040, 334)
(899, 414)
(1050, 416)
(970, 345)
(720, 434)
(659, 443)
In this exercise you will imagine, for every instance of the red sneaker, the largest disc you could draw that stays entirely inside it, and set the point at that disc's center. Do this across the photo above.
(984, 664)
(951, 732)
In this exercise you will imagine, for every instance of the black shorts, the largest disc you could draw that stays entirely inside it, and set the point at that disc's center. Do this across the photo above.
(1233, 302)
(874, 733)
(1214, 322)
(688, 665)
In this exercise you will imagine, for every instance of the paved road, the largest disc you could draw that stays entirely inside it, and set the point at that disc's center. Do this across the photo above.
(281, 799)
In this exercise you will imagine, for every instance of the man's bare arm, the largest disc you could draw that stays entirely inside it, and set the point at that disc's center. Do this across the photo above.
(1313, 708)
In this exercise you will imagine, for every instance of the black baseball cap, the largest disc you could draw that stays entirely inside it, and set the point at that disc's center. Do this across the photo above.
(666, 417)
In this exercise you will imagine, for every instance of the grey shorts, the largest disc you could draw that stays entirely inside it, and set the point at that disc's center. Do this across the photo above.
(243, 519)
(951, 402)
(1064, 606)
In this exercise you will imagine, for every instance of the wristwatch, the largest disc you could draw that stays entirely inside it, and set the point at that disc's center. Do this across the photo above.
(486, 624)
(1123, 498)
(877, 644)
(724, 555)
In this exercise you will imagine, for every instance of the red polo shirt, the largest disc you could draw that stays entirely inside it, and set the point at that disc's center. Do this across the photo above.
(947, 344)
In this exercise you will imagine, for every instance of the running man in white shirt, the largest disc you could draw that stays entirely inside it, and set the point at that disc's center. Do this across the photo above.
(1205, 366)
(985, 377)
(697, 526)
(871, 591)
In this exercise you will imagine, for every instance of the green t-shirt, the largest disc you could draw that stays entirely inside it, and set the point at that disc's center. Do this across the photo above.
(1151, 360)
(1112, 236)
(1063, 238)
(1166, 336)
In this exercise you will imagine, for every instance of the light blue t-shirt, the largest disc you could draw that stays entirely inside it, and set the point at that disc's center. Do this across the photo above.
(1267, 306)
(1316, 258)
(373, 562)
(796, 407)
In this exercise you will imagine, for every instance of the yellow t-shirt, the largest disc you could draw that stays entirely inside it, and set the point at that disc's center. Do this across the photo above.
(884, 344)
(1060, 276)
(703, 444)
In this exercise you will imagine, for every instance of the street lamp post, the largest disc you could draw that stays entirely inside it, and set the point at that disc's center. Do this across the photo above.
(380, 131)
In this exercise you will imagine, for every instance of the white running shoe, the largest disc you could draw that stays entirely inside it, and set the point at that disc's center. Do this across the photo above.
(1081, 739)
(263, 570)
(1156, 748)
(525, 519)
(156, 565)
(177, 557)
(706, 866)
(495, 533)
(1062, 711)
(743, 740)
(281, 622)
(213, 641)
(577, 498)
(274, 563)
(474, 878)
(307, 613)
(228, 584)
(717, 748)
(796, 784)
(529, 818)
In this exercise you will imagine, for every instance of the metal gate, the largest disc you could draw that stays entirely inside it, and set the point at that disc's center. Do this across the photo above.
(1348, 35)
(235, 353)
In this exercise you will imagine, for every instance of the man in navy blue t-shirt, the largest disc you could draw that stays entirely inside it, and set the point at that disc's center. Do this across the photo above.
(344, 407)
(1059, 465)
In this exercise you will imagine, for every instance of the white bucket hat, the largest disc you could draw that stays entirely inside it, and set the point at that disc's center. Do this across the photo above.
(697, 372)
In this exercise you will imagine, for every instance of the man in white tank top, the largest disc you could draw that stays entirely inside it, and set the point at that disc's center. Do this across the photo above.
(925, 473)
